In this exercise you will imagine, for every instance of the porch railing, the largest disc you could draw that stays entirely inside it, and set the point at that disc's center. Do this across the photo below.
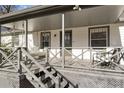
(96, 58)
(20, 61)
(92, 58)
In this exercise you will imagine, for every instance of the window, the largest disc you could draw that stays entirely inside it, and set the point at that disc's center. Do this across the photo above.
(99, 36)
(45, 39)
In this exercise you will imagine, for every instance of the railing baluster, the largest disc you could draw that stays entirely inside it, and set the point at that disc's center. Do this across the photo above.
(82, 54)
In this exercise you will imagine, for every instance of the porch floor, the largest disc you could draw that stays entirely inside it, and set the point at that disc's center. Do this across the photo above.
(82, 65)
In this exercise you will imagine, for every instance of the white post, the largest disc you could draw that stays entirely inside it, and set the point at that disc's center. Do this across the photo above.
(26, 38)
(19, 61)
(90, 55)
(26, 34)
(47, 55)
(63, 40)
(82, 54)
(0, 45)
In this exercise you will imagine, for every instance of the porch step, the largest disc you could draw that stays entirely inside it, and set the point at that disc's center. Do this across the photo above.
(45, 80)
(45, 76)
(64, 83)
(48, 79)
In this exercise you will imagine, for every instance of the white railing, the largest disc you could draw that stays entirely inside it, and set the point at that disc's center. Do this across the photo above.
(87, 57)
(92, 58)
(21, 65)
(99, 58)
(8, 54)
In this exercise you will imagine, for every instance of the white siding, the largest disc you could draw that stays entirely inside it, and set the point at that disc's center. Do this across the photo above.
(55, 40)
(80, 36)
(115, 40)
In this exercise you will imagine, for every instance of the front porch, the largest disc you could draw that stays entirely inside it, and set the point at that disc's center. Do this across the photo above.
(39, 48)
(95, 74)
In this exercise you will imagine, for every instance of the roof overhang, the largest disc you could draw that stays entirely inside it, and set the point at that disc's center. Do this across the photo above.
(38, 11)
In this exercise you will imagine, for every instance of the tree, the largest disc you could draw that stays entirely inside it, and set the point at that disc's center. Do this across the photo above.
(7, 8)
(10, 8)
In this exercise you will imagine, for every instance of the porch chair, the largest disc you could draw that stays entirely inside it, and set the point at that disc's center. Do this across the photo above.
(104, 56)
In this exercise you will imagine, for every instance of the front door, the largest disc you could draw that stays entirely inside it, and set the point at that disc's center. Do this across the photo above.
(68, 38)
(45, 39)
(68, 41)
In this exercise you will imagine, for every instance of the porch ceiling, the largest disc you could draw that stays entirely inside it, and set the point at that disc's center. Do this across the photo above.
(37, 11)
(86, 17)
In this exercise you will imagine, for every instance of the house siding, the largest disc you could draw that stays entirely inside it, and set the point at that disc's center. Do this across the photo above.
(79, 37)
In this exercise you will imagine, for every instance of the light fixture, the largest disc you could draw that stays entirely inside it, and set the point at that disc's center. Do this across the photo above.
(77, 7)
(54, 35)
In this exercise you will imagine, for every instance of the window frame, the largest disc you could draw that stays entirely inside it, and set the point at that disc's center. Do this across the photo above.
(107, 35)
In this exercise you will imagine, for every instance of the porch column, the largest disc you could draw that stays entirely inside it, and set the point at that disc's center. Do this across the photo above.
(26, 34)
(0, 35)
(0, 45)
(63, 40)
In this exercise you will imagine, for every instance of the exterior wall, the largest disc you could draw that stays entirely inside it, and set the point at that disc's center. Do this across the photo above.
(55, 41)
(80, 36)
(115, 40)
